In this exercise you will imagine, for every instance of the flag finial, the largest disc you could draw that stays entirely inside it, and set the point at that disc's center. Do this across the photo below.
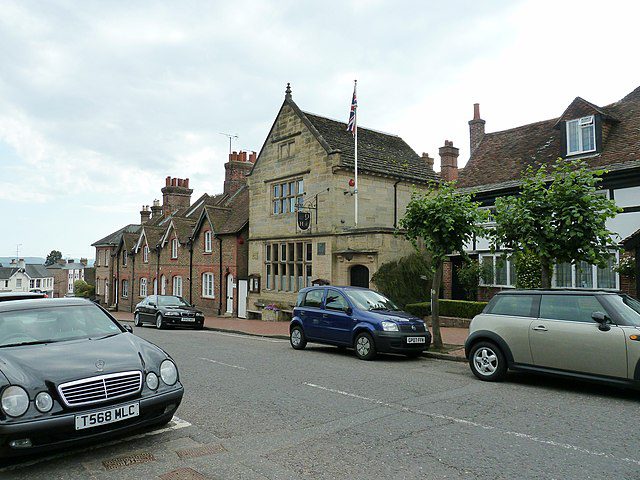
(287, 92)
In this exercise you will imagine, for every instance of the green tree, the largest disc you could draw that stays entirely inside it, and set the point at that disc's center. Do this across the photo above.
(441, 220)
(557, 217)
(469, 275)
(83, 289)
(53, 257)
(401, 280)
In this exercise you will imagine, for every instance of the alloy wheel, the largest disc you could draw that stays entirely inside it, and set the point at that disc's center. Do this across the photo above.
(296, 337)
(485, 361)
(363, 346)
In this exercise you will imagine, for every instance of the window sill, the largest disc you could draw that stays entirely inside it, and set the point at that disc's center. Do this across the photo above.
(207, 253)
(209, 297)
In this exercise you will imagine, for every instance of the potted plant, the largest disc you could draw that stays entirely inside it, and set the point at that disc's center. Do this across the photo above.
(271, 313)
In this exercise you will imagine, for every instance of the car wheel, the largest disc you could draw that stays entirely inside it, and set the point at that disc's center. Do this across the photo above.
(136, 320)
(487, 362)
(297, 338)
(199, 327)
(159, 322)
(413, 354)
(364, 346)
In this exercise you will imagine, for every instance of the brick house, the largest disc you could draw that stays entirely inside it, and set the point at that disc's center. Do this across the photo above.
(65, 274)
(305, 165)
(604, 137)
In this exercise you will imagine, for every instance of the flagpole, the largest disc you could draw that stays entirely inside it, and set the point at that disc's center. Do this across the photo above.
(355, 137)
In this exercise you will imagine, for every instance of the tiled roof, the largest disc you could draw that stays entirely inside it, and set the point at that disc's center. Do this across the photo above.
(36, 271)
(153, 234)
(503, 156)
(6, 272)
(183, 228)
(378, 152)
(228, 218)
(114, 238)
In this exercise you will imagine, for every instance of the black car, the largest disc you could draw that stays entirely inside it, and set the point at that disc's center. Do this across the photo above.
(70, 373)
(167, 310)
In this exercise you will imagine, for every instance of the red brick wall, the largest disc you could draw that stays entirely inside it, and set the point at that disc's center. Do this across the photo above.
(172, 267)
(447, 279)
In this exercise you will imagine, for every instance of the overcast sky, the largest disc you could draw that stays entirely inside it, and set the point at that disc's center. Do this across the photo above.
(99, 101)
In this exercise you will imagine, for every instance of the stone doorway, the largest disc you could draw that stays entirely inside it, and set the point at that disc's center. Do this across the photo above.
(359, 276)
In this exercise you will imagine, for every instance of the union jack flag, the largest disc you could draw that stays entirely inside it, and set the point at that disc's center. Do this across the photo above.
(351, 125)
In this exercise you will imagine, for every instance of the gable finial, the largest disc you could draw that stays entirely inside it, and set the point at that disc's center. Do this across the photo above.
(287, 92)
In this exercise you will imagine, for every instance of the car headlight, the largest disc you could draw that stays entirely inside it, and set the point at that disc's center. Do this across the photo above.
(44, 402)
(15, 401)
(389, 326)
(168, 372)
(172, 314)
(152, 380)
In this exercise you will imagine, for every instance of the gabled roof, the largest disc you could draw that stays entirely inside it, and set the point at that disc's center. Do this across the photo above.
(114, 238)
(183, 228)
(228, 219)
(7, 272)
(378, 153)
(151, 234)
(502, 157)
(37, 271)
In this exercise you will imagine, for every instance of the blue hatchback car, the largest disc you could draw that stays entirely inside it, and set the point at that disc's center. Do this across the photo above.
(356, 317)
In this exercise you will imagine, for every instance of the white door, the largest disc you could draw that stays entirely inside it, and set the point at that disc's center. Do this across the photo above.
(230, 294)
(242, 298)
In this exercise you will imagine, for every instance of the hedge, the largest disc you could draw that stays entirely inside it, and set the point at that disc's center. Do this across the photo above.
(448, 308)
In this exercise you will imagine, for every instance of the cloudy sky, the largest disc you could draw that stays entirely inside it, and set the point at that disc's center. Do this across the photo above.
(100, 100)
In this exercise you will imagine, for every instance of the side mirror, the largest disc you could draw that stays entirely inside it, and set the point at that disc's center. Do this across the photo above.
(348, 311)
(602, 319)
(151, 304)
(128, 328)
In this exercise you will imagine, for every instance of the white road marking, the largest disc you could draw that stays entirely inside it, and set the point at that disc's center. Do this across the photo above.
(470, 423)
(222, 363)
(250, 337)
(175, 424)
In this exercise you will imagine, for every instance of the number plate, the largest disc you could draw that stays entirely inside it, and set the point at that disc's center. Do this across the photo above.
(188, 319)
(415, 340)
(111, 415)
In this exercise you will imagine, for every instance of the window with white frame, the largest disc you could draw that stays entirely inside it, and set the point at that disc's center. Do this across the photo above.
(18, 283)
(207, 285)
(106, 287)
(143, 287)
(106, 258)
(125, 288)
(6, 284)
(177, 286)
(497, 271)
(585, 275)
(125, 256)
(32, 283)
(581, 135)
(207, 241)
(286, 196)
(97, 286)
(174, 248)
(163, 285)
(97, 264)
(145, 254)
(288, 266)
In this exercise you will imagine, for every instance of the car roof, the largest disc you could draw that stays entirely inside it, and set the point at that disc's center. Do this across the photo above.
(337, 287)
(13, 305)
(560, 291)
(6, 296)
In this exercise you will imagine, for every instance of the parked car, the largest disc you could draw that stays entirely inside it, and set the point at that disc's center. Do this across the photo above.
(356, 317)
(167, 310)
(5, 296)
(591, 335)
(70, 373)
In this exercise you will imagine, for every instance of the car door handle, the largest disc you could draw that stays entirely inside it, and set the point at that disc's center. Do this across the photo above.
(540, 328)
(325, 315)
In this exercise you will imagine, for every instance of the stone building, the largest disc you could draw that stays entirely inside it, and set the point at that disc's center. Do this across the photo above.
(305, 168)
(604, 137)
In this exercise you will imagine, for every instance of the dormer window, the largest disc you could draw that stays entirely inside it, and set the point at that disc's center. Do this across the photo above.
(581, 135)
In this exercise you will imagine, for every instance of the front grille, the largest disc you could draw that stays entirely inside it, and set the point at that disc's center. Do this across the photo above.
(100, 389)
(407, 328)
(188, 314)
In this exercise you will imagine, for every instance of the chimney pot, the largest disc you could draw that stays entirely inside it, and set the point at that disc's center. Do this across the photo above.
(476, 129)
(476, 111)
(168, 181)
(427, 160)
(186, 183)
(174, 182)
(449, 161)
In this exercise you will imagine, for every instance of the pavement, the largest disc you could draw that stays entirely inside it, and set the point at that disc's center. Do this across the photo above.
(453, 338)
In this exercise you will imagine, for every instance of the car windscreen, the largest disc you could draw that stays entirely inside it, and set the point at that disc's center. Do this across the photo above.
(370, 300)
(54, 324)
(172, 301)
(627, 307)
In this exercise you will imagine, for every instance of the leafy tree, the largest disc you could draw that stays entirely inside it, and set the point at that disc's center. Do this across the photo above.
(83, 289)
(557, 217)
(528, 270)
(401, 280)
(443, 220)
(469, 275)
(53, 257)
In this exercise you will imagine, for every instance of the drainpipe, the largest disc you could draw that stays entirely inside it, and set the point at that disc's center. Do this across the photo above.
(158, 283)
(395, 204)
(191, 272)
(133, 281)
(220, 275)
(117, 289)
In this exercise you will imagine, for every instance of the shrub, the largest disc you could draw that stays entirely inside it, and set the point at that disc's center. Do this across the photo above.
(469, 275)
(448, 308)
(83, 289)
(402, 280)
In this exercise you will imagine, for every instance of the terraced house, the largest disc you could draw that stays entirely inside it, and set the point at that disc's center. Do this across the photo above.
(605, 138)
(196, 251)
(302, 227)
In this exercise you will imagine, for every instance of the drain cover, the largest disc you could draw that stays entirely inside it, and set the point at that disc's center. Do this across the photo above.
(183, 474)
(127, 460)
(201, 451)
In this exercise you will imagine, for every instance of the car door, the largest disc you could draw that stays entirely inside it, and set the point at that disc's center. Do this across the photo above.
(311, 314)
(151, 309)
(566, 337)
(336, 321)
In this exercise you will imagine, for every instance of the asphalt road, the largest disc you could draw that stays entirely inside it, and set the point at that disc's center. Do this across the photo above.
(255, 408)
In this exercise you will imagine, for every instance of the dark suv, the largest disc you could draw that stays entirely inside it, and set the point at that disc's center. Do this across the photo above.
(356, 317)
(593, 335)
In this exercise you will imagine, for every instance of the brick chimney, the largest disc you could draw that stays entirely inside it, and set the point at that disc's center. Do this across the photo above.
(145, 214)
(476, 129)
(156, 209)
(176, 194)
(449, 162)
(84, 261)
(427, 160)
(236, 170)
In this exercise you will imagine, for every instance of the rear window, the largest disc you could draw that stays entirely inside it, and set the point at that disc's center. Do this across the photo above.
(514, 305)
(575, 308)
(313, 298)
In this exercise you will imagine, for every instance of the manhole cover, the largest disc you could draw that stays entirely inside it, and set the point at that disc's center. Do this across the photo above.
(183, 474)
(127, 460)
(201, 451)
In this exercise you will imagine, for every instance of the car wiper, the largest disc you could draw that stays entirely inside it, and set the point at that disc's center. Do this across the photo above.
(380, 308)
(35, 342)
(104, 336)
